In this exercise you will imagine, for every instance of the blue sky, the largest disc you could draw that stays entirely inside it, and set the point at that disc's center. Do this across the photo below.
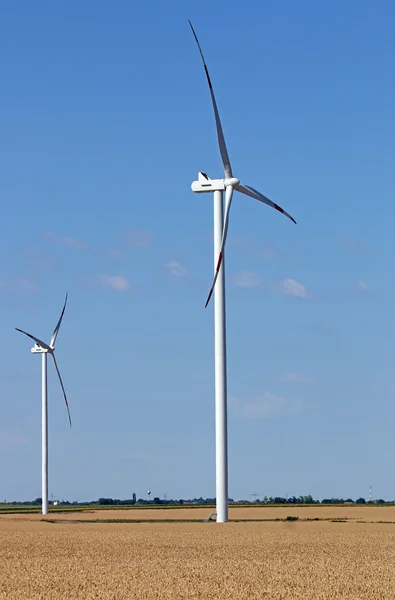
(106, 121)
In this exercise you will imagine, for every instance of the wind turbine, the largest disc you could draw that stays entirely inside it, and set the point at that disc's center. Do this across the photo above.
(228, 184)
(42, 348)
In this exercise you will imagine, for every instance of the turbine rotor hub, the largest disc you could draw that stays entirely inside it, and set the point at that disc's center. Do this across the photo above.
(233, 181)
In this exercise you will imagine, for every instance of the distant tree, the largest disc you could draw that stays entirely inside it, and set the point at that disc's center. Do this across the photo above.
(37, 501)
(380, 501)
(104, 501)
(134, 498)
(156, 500)
(361, 501)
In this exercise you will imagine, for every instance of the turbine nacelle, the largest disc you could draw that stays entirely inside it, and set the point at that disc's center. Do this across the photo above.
(39, 349)
(205, 184)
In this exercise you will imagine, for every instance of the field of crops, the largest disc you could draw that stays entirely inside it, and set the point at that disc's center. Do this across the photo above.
(329, 558)
(355, 513)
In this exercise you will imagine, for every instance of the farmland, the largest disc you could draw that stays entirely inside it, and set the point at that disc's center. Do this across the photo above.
(351, 513)
(348, 553)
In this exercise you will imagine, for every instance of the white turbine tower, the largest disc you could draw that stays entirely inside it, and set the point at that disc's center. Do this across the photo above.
(42, 348)
(218, 186)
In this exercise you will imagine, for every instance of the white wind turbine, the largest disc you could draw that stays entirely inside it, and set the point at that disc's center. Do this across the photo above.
(218, 186)
(42, 348)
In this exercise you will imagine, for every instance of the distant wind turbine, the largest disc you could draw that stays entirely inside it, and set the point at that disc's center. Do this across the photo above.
(218, 186)
(41, 347)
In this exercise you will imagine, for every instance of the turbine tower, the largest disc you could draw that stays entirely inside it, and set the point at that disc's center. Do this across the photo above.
(204, 185)
(43, 348)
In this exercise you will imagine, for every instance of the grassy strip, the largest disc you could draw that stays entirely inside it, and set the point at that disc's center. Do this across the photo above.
(276, 520)
(77, 521)
(29, 509)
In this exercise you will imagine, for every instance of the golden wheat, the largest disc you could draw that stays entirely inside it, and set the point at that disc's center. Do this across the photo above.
(321, 512)
(320, 560)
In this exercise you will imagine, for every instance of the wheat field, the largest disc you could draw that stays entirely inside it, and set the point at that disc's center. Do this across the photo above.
(241, 560)
(370, 513)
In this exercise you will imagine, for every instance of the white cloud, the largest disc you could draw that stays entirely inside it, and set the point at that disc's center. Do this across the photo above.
(362, 285)
(23, 283)
(65, 240)
(175, 269)
(115, 282)
(323, 327)
(262, 407)
(26, 284)
(247, 279)
(297, 378)
(354, 244)
(11, 440)
(71, 242)
(291, 287)
(111, 253)
(137, 238)
(265, 251)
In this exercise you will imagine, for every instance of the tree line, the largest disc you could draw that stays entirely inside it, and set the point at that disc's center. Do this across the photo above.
(266, 500)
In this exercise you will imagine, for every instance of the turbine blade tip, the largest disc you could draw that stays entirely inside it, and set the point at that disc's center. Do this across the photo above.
(208, 298)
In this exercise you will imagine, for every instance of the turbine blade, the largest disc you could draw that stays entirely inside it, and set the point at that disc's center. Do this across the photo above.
(56, 330)
(221, 140)
(39, 342)
(61, 383)
(228, 202)
(249, 191)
